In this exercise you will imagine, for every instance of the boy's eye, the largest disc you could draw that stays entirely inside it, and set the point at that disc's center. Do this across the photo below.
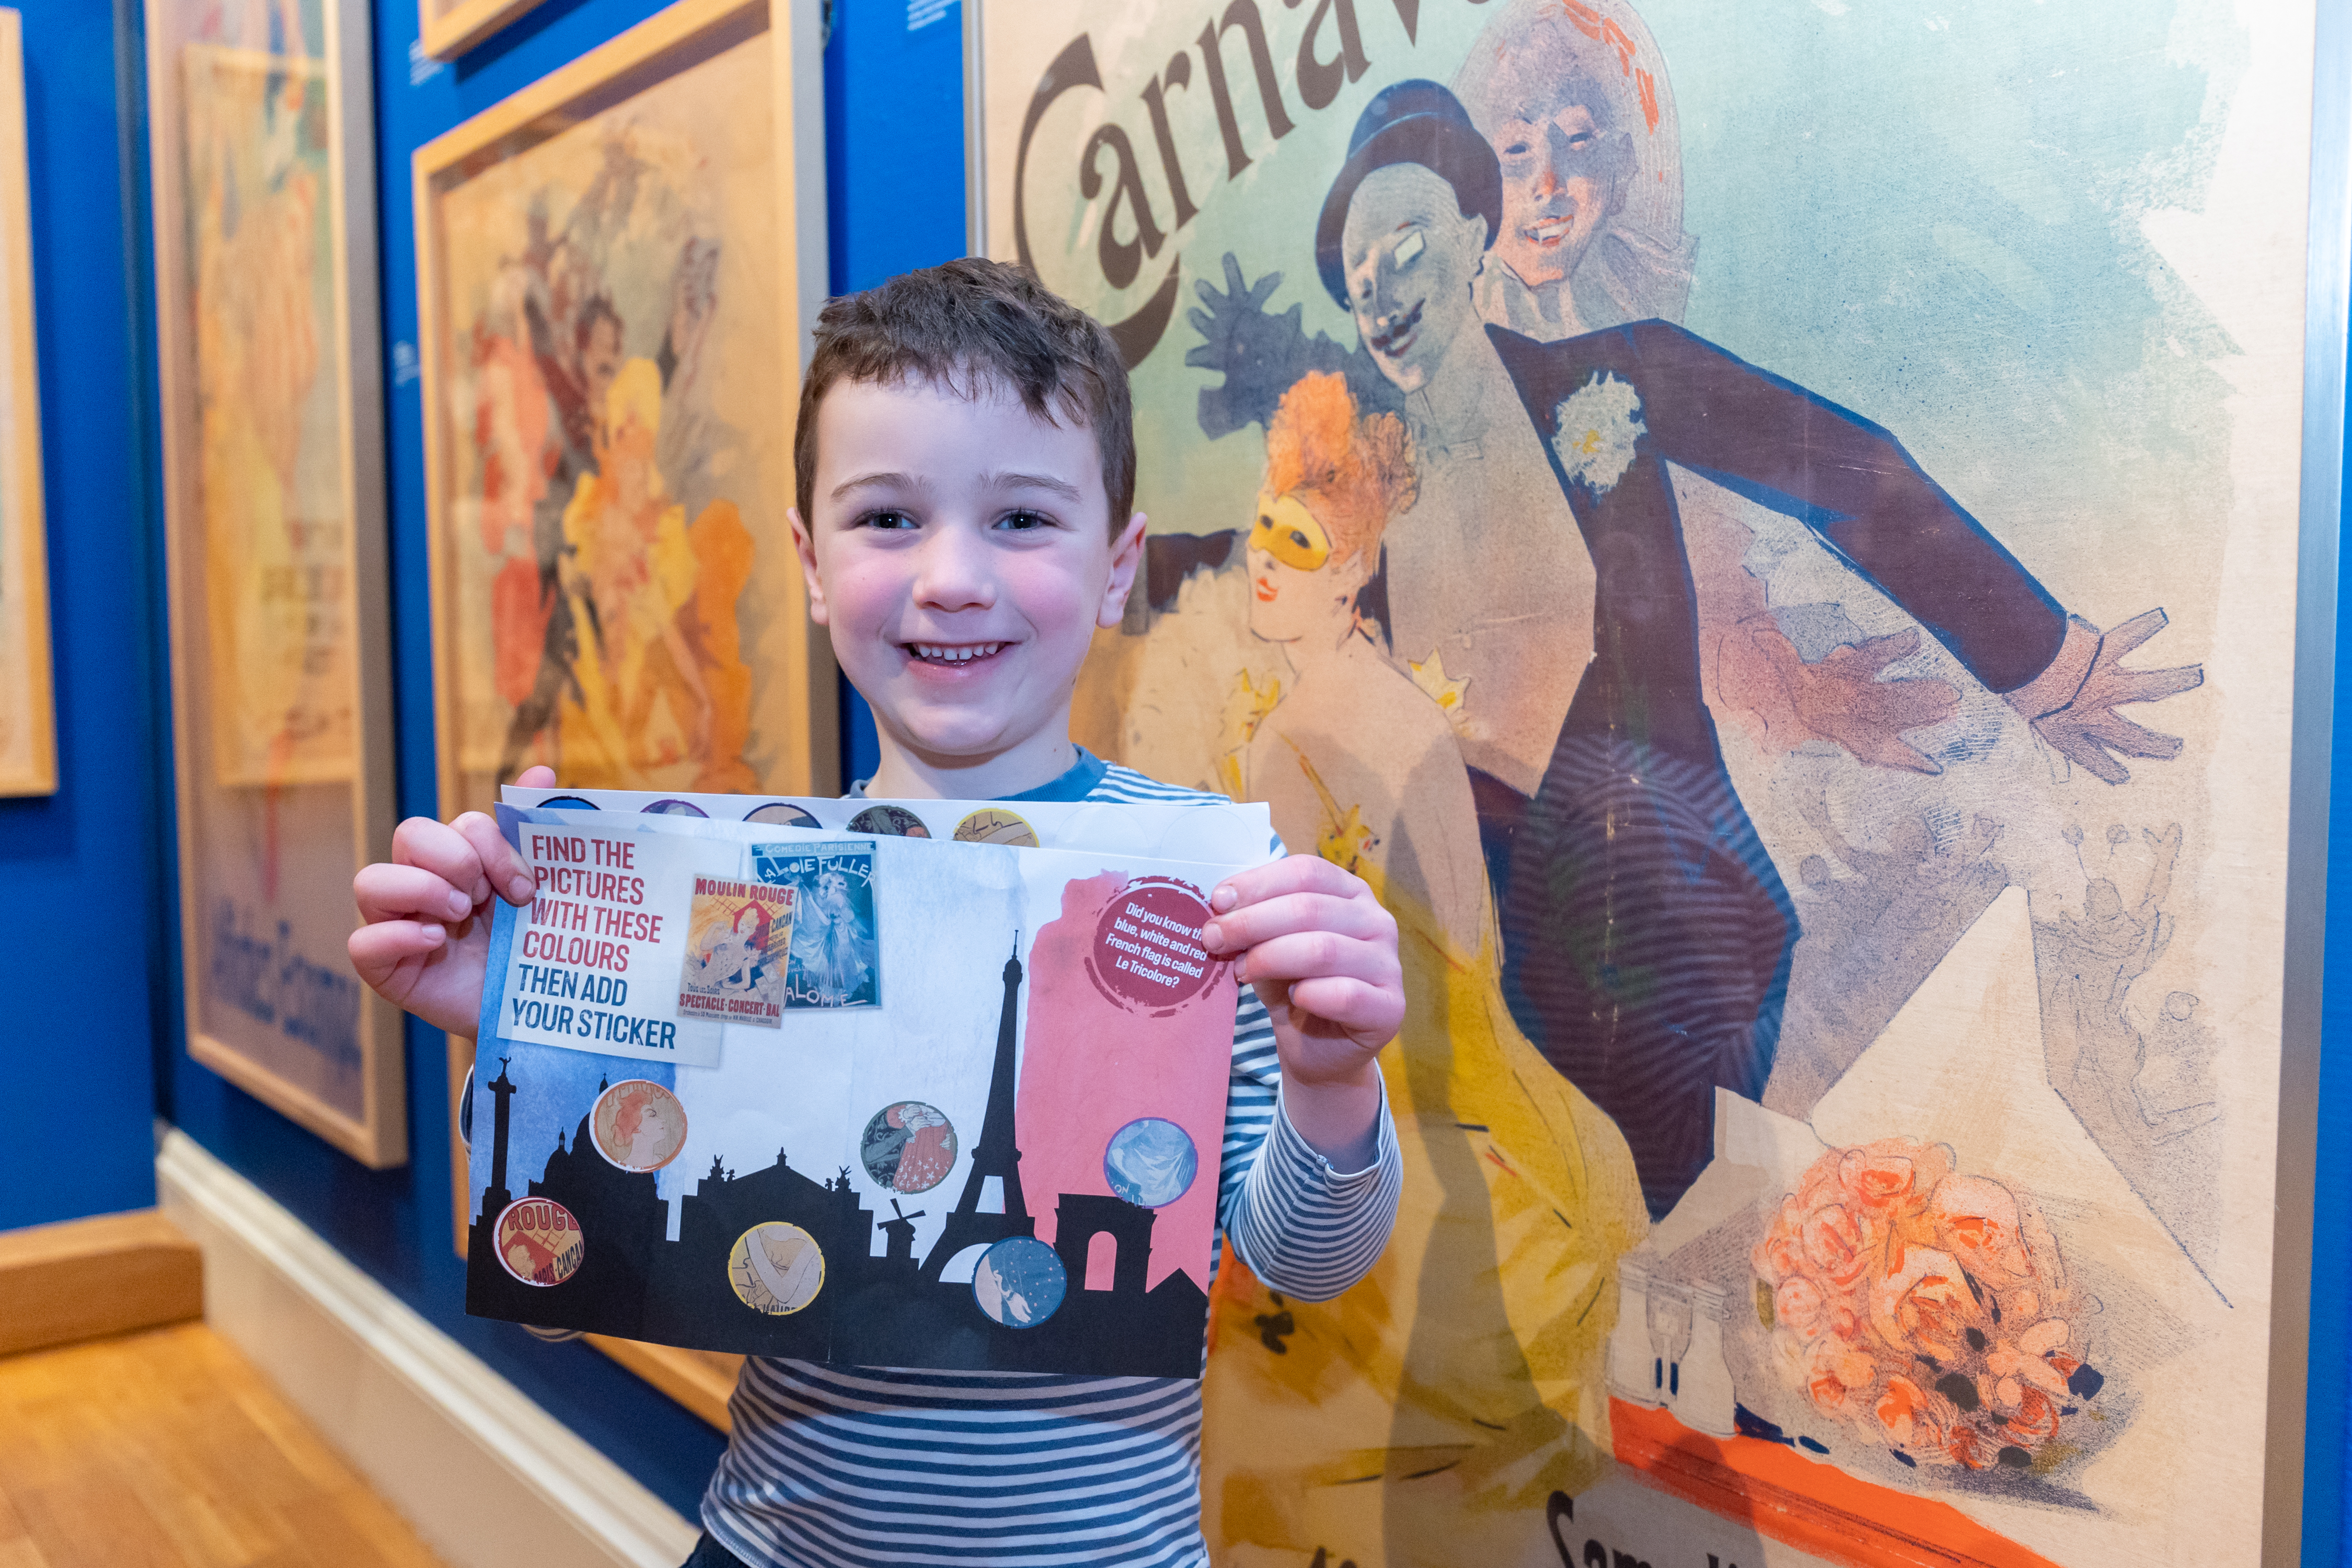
(887, 519)
(1024, 520)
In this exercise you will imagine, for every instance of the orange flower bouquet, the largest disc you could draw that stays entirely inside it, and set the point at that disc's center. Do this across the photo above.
(1929, 1310)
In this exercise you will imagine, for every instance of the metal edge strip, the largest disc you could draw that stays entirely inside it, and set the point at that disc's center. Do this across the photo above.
(2309, 783)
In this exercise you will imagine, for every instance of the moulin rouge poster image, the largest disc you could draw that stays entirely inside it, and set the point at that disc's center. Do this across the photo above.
(747, 1145)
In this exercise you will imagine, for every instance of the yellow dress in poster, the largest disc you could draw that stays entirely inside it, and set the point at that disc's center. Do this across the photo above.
(1518, 1195)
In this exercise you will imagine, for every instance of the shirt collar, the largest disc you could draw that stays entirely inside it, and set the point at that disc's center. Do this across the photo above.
(1075, 784)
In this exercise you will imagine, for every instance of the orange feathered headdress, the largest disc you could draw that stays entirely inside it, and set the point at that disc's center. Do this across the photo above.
(1352, 474)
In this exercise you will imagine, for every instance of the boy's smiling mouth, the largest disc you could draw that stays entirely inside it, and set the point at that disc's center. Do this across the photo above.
(953, 656)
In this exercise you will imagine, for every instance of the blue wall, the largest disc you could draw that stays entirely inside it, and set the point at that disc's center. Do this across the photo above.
(396, 1224)
(89, 1021)
(893, 163)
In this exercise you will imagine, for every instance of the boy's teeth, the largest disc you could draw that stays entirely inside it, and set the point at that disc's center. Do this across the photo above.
(955, 655)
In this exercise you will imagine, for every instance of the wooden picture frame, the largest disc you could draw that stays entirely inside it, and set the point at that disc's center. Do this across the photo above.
(448, 28)
(28, 754)
(262, 159)
(797, 713)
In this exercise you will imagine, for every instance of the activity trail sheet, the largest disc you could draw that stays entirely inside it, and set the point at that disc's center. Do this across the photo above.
(941, 1087)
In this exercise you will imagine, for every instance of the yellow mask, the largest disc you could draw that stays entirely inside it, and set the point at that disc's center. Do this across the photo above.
(1286, 530)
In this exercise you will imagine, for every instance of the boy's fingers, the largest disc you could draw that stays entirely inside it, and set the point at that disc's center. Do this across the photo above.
(392, 892)
(378, 949)
(501, 864)
(439, 847)
(1350, 1003)
(1287, 913)
(1317, 955)
(1292, 874)
(539, 777)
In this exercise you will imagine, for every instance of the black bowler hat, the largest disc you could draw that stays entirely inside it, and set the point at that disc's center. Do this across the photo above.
(1411, 122)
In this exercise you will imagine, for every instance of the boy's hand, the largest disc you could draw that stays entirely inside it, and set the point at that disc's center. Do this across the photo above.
(1323, 956)
(428, 913)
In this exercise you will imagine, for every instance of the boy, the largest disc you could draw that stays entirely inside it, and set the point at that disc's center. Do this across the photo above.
(964, 456)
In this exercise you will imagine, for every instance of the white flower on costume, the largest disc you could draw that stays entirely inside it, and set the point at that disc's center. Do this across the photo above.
(1595, 428)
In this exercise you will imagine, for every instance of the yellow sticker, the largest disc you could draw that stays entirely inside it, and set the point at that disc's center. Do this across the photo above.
(776, 1267)
(995, 824)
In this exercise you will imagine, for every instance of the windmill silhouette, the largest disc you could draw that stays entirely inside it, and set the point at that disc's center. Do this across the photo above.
(997, 1154)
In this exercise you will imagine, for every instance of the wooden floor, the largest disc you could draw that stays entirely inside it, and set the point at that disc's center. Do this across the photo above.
(165, 1449)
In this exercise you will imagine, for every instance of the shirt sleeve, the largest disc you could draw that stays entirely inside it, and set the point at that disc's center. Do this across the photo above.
(1304, 1228)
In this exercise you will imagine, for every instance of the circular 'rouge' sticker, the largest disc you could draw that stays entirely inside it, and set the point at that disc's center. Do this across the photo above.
(1147, 953)
(538, 1242)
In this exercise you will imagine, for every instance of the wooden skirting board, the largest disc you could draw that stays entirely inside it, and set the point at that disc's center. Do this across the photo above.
(88, 1277)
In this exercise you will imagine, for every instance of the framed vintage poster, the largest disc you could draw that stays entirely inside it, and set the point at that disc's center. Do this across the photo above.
(619, 266)
(28, 759)
(448, 28)
(1793, 544)
(263, 166)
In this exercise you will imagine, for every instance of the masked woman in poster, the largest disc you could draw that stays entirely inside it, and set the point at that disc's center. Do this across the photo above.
(1499, 1149)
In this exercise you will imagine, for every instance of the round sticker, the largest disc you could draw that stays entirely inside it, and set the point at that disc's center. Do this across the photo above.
(781, 813)
(1150, 1163)
(995, 824)
(674, 809)
(894, 820)
(1147, 953)
(776, 1267)
(1020, 1282)
(638, 1125)
(566, 803)
(908, 1147)
(538, 1241)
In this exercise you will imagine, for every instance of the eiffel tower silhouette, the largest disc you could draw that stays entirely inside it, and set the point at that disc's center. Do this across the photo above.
(996, 1156)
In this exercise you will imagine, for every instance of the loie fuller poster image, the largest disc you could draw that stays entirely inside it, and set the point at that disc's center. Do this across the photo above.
(1008, 1166)
(1767, 537)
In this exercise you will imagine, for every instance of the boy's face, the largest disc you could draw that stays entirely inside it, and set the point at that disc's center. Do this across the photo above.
(960, 554)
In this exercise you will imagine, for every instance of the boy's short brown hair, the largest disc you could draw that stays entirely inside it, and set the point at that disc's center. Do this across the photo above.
(962, 326)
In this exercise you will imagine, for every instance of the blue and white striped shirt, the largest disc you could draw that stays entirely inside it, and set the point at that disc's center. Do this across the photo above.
(852, 1466)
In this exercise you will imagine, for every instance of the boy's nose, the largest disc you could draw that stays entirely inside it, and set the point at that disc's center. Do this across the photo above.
(953, 573)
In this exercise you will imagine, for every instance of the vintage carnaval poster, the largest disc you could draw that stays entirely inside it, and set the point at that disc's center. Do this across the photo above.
(1003, 1160)
(1768, 536)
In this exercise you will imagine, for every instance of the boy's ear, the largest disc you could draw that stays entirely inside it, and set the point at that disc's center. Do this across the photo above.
(1125, 560)
(804, 546)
